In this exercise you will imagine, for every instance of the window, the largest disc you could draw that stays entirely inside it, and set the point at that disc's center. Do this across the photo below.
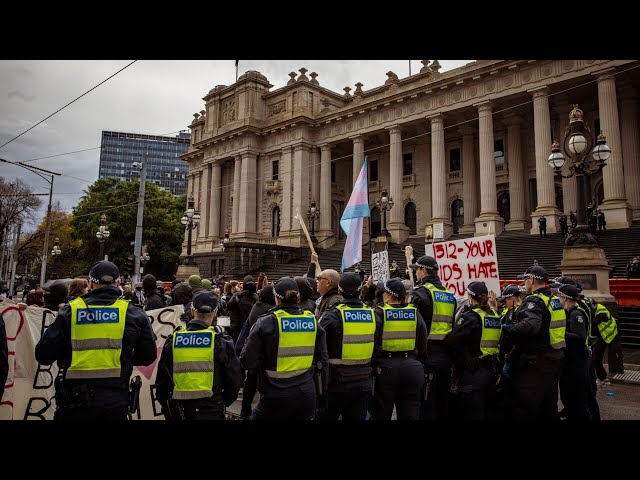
(410, 217)
(454, 160)
(275, 222)
(373, 171)
(498, 152)
(596, 127)
(333, 172)
(407, 164)
(275, 169)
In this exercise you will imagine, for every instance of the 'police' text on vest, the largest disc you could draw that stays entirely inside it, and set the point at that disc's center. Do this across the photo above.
(299, 324)
(393, 314)
(97, 315)
(193, 340)
(358, 316)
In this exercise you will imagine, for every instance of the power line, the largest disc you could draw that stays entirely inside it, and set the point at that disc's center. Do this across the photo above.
(72, 101)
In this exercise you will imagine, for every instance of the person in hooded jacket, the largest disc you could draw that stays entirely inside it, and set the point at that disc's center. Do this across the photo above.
(306, 303)
(240, 305)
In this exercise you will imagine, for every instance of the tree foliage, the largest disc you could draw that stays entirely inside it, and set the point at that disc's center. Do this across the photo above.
(162, 232)
(17, 203)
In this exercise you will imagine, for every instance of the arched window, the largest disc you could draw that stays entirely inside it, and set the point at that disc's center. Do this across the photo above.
(376, 225)
(275, 222)
(410, 217)
(457, 214)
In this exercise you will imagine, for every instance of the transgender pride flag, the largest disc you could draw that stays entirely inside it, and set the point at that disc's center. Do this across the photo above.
(353, 219)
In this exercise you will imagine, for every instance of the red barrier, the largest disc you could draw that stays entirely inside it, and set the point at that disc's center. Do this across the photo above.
(625, 291)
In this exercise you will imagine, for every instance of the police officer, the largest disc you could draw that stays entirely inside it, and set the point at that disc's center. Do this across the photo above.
(574, 380)
(199, 369)
(606, 337)
(96, 339)
(437, 306)
(400, 353)
(350, 328)
(287, 347)
(474, 345)
(538, 338)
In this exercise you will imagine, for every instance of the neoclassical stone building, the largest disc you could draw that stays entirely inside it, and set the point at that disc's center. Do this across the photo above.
(467, 148)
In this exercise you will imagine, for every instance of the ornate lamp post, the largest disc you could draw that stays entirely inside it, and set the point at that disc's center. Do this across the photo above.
(312, 214)
(384, 203)
(225, 240)
(102, 234)
(578, 144)
(190, 221)
(55, 252)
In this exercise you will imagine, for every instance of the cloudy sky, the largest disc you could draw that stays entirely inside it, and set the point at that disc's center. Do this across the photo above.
(153, 97)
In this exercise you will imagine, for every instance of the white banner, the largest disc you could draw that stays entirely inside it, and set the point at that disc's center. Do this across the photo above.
(29, 390)
(467, 260)
(380, 266)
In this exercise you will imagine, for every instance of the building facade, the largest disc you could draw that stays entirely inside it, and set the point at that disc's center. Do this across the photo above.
(467, 148)
(119, 150)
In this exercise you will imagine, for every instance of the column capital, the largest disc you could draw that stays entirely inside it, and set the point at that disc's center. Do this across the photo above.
(237, 158)
(485, 106)
(357, 138)
(436, 118)
(606, 74)
(325, 147)
(539, 92)
(216, 165)
(301, 146)
(393, 129)
(466, 131)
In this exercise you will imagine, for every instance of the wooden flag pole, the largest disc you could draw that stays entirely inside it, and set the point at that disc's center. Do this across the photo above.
(306, 232)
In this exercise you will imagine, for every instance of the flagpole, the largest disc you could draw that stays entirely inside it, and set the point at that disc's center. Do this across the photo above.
(409, 67)
(237, 61)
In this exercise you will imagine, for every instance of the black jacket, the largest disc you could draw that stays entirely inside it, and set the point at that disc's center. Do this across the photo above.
(138, 342)
(421, 339)
(153, 300)
(530, 332)
(227, 378)
(4, 356)
(343, 377)
(239, 308)
(259, 308)
(328, 301)
(576, 332)
(260, 351)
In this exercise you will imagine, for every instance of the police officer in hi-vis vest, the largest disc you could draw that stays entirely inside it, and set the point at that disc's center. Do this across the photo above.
(97, 339)
(287, 347)
(350, 328)
(199, 371)
(538, 339)
(399, 355)
(474, 344)
(437, 306)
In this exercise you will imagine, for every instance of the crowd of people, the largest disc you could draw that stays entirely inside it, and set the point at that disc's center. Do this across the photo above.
(331, 347)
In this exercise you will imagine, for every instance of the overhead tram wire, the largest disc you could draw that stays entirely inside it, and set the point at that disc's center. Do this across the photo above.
(72, 101)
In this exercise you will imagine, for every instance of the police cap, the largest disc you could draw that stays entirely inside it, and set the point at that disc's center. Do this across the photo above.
(104, 272)
(205, 302)
(536, 272)
(475, 289)
(350, 283)
(395, 287)
(427, 262)
(568, 291)
(509, 291)
(284, 285)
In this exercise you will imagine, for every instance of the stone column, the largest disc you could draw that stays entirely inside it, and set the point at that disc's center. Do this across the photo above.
(248, 205)
(197, 207)
(237, 173)
(489, 222)
(395, 218)
(300, 193)
(569, 185)
(205, 204)
(615, 206)
(216, 200)
(286, 177)
(325, 196)
(315, 175)
(544, 173)
(469, 180)
(358, 155)
(630, 147)
(517, 197)
(439, 195)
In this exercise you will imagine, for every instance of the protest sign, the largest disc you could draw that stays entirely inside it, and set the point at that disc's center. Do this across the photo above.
(467, 260)
(380, 266)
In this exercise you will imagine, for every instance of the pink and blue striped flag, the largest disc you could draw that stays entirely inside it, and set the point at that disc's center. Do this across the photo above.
(353, 219)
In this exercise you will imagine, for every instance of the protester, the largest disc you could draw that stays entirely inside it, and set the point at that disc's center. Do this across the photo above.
(153, 300)
(633, 268)
(328, 290)
(239, 306)
(305, 294)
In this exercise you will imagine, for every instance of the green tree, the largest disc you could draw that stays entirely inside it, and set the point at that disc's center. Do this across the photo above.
(162, 233)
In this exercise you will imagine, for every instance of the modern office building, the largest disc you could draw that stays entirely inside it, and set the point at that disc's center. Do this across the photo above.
(119, 150)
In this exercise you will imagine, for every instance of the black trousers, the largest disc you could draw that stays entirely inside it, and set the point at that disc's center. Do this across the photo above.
(616, 363)
(543, 232)
(399, 384)
(575, 387)
(291, 403)
(249, 392)
(351, 405)
(594, 408)
(103, 406)
(536, 388)
(436, 406)
(213, 412)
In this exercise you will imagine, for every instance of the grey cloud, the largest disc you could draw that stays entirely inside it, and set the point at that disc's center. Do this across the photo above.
(21, 96)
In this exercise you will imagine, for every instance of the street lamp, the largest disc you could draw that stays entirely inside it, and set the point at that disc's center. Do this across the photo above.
(102, 234)
(313, 213)
(225, 240)
(384, 203)
(144, 258)
(55, 252)
(578, 145)
(189, 220)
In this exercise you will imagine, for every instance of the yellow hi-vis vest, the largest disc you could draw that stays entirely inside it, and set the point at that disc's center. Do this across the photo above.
(609, 329)
(96, 339)
(558, 320)
(193, 352)
(358, 329)
(399, 328)
(491, 330)
(444, 308)
(296, 343)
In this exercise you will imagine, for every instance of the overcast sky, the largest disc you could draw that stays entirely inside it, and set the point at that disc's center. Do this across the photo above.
(153, 97)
